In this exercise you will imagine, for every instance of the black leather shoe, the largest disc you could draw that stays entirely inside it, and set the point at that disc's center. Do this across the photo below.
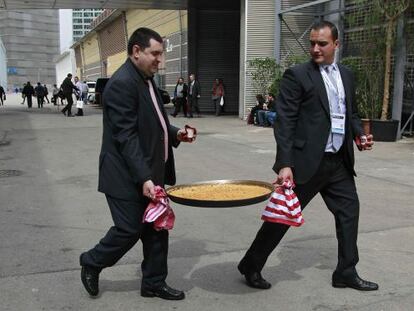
(254, 279)
(164, 292)
(90, 280)
(64, 113)
(354, 282)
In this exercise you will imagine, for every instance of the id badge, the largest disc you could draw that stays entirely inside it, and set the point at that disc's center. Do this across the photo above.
(338, 123)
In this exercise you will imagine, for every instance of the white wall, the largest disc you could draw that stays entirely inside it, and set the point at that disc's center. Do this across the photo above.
(257, 39)
(3, 66)
(64, 65)
(66, 29)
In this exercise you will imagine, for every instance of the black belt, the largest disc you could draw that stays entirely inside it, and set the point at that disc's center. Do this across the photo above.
(331, 155)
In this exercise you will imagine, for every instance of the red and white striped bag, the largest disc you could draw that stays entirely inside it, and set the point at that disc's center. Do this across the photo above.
(283, 206)
(159, 211)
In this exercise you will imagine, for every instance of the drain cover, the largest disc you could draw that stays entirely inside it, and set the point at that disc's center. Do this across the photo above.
(10, 173)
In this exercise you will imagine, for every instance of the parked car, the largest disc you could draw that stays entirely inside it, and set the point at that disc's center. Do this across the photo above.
(100, 85)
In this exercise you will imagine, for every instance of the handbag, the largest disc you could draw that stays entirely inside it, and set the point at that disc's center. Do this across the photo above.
(222, 101)
(79, 104)
(284, 207)
(250, 118)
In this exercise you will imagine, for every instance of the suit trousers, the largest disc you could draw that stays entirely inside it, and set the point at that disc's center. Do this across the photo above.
(40, 101)
(336, 185)
(217, 106)
(180, 102)
(127, 230)
(193, 105)
(68, 106)
(29, 101)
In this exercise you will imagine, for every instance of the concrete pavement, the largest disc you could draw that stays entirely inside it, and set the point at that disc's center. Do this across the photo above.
(52, 212)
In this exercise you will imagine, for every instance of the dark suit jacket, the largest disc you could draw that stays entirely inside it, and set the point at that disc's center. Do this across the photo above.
(28, 90)
(303, 121)
(133, 139)
(196, 89)
(67, 86)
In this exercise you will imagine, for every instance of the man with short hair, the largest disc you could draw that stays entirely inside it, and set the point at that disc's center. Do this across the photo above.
(2, 95)
(136, 156)
(85, 90)
(40, 93)
(28, 92)
(193, 96)
(67, 89)
(317, 121)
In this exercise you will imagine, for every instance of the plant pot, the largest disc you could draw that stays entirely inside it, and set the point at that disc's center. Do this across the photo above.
(384, 130)
(366, 126)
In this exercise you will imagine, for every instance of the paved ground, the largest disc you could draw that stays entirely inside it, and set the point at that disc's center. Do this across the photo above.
(52, 212)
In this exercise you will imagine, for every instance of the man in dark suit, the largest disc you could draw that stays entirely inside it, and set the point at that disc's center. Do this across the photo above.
(315, 127)
(136, 155)
(40, 94)
(193, 96)
(2, 95)
(28, 92)
(68, 87)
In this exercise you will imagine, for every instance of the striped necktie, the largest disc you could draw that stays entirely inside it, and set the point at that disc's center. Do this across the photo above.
(335, 106)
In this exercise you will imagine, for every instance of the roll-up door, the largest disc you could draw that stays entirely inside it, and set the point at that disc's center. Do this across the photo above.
(217, 53)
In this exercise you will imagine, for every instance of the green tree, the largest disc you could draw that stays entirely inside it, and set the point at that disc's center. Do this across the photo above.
(264, 72)
(377, 22)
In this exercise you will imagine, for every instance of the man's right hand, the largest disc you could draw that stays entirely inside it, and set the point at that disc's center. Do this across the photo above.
(285, 173)
(148, 189)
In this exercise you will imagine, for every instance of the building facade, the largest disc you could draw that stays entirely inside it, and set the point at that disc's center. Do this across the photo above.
(31, 39)
(3, 65)
(104, 49)
(81, 21)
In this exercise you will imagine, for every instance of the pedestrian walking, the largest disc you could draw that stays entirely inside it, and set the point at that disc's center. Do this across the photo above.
(46, 93)
(40, 93)
(180, 97)
(67, 89)
(2, 95)
(55, 95)
(28, 92)
(136, 156)
(217, 96)
(317, 120)
(85, 90)
(193, 96)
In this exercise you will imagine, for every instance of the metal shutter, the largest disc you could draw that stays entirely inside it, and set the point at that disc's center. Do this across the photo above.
(259, 42)
(218, 42)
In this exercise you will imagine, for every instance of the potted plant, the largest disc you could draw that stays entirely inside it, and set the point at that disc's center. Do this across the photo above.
(379, 29)
(264, 72)
(368, 89)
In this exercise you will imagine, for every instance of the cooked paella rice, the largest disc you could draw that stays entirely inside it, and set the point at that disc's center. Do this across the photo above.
(219, 192)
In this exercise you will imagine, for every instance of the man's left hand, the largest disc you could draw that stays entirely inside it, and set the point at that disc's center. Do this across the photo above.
(187, 134)
(367, 141)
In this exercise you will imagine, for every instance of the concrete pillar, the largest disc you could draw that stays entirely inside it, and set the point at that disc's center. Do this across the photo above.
(399, 69)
